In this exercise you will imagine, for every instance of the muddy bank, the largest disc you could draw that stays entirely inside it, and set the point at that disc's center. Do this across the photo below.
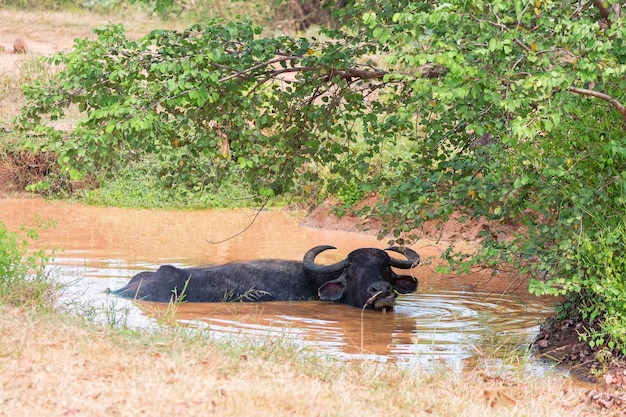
(558, 340)
(323, 216)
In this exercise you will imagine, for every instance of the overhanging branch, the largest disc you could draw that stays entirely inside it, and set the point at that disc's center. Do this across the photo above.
(620, 107)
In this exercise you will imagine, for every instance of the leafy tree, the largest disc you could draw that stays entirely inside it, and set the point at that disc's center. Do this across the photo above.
(509, 111)
(203, 100)
(525, 128)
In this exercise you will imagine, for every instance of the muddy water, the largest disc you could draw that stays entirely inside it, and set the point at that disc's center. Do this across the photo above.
(450, 320)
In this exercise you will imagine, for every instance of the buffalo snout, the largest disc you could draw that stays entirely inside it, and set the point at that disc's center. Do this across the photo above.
(381, 295)
(380, 287)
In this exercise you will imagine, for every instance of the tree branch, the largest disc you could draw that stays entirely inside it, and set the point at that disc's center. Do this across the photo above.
(620, 107)
(347, 74)
(522, 45)
(604, 12)
(357, 73)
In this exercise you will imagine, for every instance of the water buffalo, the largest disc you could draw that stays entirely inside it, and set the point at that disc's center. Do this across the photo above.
(363, 279)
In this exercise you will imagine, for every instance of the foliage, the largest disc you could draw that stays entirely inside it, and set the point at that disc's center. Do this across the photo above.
(509, 111)
(136, 185)
(350, 194)
(205, 101)
(23, 279)
(297, 14)
(597, 283)
(521, 123)
(163, 7)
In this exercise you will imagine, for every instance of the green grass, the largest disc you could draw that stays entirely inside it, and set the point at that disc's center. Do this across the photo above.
(138, 185)
(23, 278)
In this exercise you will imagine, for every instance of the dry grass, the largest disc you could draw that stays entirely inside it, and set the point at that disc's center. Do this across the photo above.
(48, 32)
(51, 365)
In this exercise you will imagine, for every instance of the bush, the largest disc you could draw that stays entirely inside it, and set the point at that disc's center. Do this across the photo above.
(23, 278)
(139, 184)
(601, 268)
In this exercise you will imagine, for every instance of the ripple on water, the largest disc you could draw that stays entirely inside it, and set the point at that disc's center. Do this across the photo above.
(441, 327)
(100, 248)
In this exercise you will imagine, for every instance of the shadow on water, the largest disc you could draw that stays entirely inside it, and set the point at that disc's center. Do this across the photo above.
(447, 322)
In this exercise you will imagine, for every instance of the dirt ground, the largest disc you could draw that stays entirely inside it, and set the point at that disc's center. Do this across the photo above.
(46, 34)
(43, 34)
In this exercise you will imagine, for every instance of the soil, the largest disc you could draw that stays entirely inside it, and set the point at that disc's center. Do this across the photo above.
(43, 33)
(558, 339)
(21, 168)
(466, 233)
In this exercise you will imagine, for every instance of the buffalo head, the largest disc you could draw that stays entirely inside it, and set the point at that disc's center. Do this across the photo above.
(364, 278)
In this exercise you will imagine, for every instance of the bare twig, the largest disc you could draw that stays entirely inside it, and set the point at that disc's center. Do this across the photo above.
(522, 45)
(213, 242)
(370, 300)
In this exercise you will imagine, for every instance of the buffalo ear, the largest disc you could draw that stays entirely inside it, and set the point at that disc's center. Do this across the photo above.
(405, 284)
(332, 290)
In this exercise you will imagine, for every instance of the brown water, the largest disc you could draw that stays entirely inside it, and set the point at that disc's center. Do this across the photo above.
(456, 321)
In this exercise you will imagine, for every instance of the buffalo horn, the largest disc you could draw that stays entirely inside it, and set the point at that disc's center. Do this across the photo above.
(413, 258)
(309, 261)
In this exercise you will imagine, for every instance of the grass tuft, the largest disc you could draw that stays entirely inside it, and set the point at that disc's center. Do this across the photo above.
(24, 281)
(138, 185)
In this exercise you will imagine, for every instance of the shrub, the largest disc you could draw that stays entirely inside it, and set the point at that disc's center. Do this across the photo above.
(600, 278)
(24, 280)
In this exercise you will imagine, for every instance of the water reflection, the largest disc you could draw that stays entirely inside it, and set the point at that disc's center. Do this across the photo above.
(442, 323)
